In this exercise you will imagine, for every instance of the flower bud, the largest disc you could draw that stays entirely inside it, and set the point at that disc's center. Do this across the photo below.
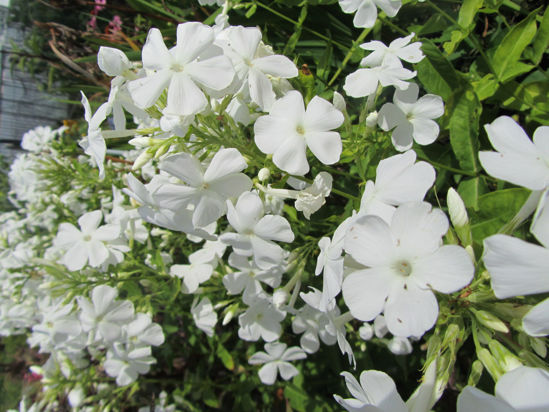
(490, 363)
(476, 373)
(263, 174)
(366, 331)
(490, 321)
(539, 347)
(280, 297)
(399, 346)
(507, 361)
(339, 102)
(161, 150)
(142, 160)
(371, 119)
(456, 209)
(140, 141)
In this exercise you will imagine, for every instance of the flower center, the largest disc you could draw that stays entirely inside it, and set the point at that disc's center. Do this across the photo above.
(87, 238)
(403, 267)
(300, 130)
(176, 67)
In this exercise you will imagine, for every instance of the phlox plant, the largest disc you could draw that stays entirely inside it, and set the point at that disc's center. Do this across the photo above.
(235, 232)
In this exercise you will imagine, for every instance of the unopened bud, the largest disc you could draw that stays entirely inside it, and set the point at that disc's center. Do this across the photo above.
(456, 209)
(490, 321)
(539, 347)
(490, 363)
(140, 141)
(507, 361)
(161, 150)
(142, 160)
(371, 120)
(280, 297)
(263, 174)
(476, 373)
(366, 331)
(469, 249)
(229, 314)
(339, 102)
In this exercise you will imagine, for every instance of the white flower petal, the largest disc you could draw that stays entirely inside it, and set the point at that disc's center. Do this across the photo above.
(365, 291)
(225, 162)
(525, 389)
(536, 321)
(473, 400)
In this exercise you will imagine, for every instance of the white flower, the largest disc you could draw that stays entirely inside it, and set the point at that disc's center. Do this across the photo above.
(277, 360)
(39, 138)
(261, 319)
(519, 268)
(142, 330)
(518, 160)
(376, 391)
(366, 10)
(246, 280)
(289, 129)
(411, 118)
(256, 232)
(204, 316)
(399, 179)
(193, 275)
(398, 50)
(404, 263)
(94, 144)
(194, 63)
(253, 67)
(207, 191)
(365, 81)
(104, 314)
(127, 362)
(313, 323)
(90, 244)
(523, 389)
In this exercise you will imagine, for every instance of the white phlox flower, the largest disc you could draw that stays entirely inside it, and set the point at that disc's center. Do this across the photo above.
(39, 138)
(277, 360)
(289, 129)
(192, 275)
(129, 220)
(204, 315)
(366, 10)
(91, 244)
(127, 362)
(377, 392)
(520, 268)
(151, 211)
(261, 320)
(104, 314)
(399, 179)
(365, 81)
(313, 323)
(411, 118)
(206, 190)
(404, 262)
(212, 251)
(94, 144)
(399, 49)
(308, 200)
(248, 277)
(253, 66)
(518, 159)
(186, 69)
(256, 232)
(143, 331)
(523, 389)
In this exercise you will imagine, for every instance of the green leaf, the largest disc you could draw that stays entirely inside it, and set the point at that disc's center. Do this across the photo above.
(495, 210)
(513, 44)
(486, 87)
(225, 357)
(468, 11)
(294, 38)
(464, 125)
(297, 397)
(541, 41)
(251, 11)
(436, 73)
(470, 190)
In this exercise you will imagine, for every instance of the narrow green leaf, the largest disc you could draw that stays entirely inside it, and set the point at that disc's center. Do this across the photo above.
(470, 190)
(495, 210)
(541, 41)
(513, 44)
(436, 73)
(464, 109)
(225, 357)
(294, 38)
(468, 11)
(486, 87)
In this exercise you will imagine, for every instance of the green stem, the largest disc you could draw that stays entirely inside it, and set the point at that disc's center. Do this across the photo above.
(349, 55)
(320, 35)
